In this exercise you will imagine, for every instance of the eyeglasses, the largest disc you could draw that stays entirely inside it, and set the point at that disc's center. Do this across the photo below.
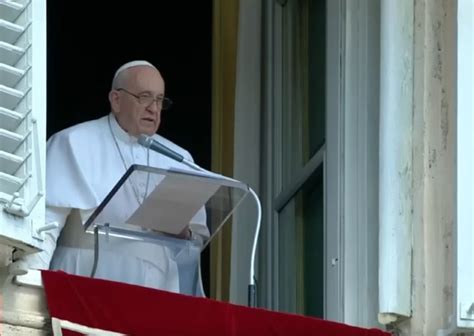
(147, 99)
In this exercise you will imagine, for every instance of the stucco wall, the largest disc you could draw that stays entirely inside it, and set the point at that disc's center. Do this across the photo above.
(433, 167)
(23, 310)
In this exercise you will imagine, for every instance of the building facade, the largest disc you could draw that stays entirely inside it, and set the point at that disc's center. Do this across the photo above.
(350, 118)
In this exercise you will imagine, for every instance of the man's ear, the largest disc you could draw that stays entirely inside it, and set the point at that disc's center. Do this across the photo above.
(114, 100)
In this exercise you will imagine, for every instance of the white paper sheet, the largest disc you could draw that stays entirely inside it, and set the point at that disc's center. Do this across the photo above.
(172, 204)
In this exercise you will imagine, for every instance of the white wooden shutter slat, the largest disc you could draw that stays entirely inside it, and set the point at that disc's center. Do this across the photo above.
(10, 10)
(10, 163)
(9, 184)
(10, 120)
(10, 141)
(10, 32)
(10, 76)
(10, 98)
(9, 53)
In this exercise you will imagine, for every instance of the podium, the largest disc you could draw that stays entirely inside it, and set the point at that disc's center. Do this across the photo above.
(181, 210)
(162, 207)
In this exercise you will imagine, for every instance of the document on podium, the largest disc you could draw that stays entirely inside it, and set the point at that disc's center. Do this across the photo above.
(170, 207)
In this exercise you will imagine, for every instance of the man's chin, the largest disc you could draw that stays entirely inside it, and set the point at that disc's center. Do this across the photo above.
(148, 131)
(148, 128)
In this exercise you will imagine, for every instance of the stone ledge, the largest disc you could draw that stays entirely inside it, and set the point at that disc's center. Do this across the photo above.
(14, 330)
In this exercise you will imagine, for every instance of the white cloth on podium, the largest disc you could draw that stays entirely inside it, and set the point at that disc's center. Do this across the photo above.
(83, 165)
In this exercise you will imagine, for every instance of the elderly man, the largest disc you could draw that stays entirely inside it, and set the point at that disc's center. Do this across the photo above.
(85, 161)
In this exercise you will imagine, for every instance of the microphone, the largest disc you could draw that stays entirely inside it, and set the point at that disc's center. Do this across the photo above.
(152, 144)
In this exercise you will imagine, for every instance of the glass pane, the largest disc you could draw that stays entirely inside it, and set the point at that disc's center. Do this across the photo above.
(301, 253)
(292, 95)
(313, 245)
(288, 276)
(315, 121)
(301, 132)
(303, 71)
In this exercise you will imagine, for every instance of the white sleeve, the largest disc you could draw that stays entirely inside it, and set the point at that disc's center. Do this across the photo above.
(42, 259)
(198, 224)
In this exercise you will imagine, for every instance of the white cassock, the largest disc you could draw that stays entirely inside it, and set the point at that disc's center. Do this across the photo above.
(84, 162)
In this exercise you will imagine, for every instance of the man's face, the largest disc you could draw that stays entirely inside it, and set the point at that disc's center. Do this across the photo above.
(132, 102)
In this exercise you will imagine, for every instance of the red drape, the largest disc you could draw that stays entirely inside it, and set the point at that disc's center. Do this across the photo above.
(135, 310)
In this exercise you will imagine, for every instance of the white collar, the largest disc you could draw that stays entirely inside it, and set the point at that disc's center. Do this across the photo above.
(119, 132)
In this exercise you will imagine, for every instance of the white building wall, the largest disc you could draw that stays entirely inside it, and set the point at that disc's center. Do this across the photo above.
(23, 309)
(433, 167)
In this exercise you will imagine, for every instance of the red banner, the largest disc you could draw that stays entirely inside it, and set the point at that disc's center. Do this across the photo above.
(136, 310)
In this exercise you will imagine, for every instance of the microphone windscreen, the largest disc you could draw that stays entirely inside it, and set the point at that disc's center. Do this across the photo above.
(145, 140)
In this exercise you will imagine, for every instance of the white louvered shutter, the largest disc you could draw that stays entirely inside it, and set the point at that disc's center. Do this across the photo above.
(22, 122)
